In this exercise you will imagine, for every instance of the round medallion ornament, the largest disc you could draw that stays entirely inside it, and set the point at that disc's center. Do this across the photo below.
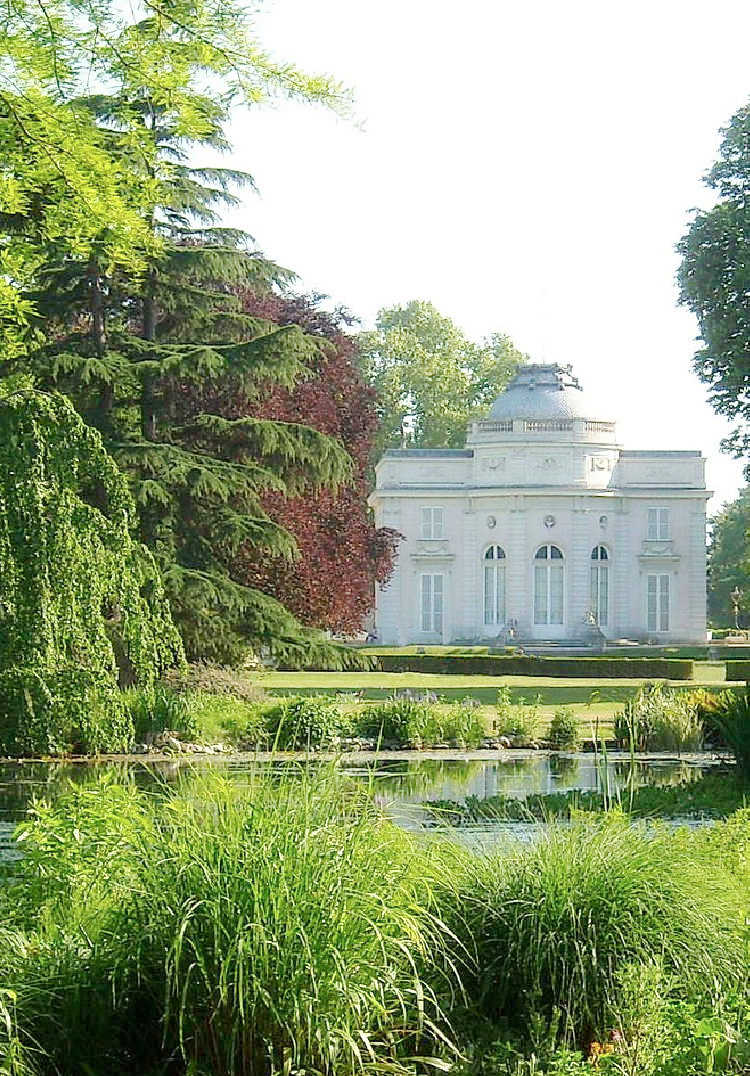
(549, 521)
(491, 522)
(602, 521)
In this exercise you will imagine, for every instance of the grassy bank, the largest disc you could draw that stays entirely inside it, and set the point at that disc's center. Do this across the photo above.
(288, 926)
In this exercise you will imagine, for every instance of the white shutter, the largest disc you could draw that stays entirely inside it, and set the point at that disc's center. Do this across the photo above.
(663, 603)
(556, 595)
(437, 604)
(540, 593)
(426, 602)
(652, 599)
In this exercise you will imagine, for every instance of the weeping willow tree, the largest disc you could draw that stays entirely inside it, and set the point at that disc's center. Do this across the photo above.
(82, 604)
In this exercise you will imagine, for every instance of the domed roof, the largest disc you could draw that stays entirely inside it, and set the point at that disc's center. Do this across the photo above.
(543, 392)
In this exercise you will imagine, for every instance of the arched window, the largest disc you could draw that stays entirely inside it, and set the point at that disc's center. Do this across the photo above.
(549, 585)
(600, 585)
(494, 585)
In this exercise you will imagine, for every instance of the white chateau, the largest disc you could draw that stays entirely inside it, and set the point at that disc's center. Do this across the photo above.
(543, 529)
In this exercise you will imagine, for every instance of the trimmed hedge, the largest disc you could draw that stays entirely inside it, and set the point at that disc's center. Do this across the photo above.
(526, 665)
(738, 670)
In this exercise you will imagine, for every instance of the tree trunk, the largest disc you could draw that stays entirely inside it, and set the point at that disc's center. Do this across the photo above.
(148, 398)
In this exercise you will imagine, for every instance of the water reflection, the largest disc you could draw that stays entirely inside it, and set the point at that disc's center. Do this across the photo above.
(393, 781)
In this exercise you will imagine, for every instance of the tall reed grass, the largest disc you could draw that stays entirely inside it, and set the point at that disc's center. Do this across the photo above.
(553, 923)
(279, 926)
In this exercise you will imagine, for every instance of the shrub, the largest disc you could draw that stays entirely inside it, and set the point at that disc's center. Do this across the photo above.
(398, 719)
(564, 734)
(554, 922)
(526, 665)
(298, 722)
(463, 725)
(158, 709)
(731, 718)
(658, 719)
(520, 723)
(203, 678)
(272, 926)
(738, 670)
(73, 710)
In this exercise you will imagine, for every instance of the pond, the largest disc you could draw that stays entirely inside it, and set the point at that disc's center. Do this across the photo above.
(400, 780)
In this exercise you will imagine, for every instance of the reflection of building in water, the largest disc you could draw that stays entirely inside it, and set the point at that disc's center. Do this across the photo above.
(543, 528)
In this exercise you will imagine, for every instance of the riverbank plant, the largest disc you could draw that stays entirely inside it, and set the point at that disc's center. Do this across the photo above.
(729, 717)
(226, 928)
(554, 924)
(564, 733)
(658, 718)
(520, 723)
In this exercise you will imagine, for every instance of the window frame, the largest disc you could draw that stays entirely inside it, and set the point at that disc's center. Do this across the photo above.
(494, 566)
(598, 573)
(428, 618)
(548, 564)
(662, 530)
(662, 610)
(427, 517)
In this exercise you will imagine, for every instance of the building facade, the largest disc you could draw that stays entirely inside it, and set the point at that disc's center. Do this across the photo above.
(543, 529)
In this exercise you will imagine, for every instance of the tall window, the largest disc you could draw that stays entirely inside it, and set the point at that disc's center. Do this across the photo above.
(549, 585)
(432, 603)
(494, 585)
(658, 524)
(658, 602)
(600, 584)
(433, 523)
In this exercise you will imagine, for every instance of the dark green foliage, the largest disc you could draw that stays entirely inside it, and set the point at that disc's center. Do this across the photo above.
(564, 734)
(157, 709)
(729, 561)
(80, 600)
(148, 357)
(59, 712)
(498, 665)
(293, 724)
(731, 719)
(738, 670)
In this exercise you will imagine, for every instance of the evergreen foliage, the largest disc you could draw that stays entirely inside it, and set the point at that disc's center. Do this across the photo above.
(80, 599)
(135, 345)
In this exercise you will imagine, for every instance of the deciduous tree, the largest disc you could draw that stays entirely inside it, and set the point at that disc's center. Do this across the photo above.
(714, 278)
(729, 560)
(342, 556)
(431, 379)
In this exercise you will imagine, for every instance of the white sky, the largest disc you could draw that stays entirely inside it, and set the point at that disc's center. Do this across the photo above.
(526, 166)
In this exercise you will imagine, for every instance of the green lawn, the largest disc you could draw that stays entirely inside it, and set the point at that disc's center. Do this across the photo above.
(591, 699)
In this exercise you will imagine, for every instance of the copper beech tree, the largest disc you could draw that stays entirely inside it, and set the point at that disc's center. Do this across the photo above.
(342, 555)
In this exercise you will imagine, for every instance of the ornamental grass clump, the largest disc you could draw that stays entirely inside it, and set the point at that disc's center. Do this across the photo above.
(226, 928)
(552, 923)
(658, 719)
